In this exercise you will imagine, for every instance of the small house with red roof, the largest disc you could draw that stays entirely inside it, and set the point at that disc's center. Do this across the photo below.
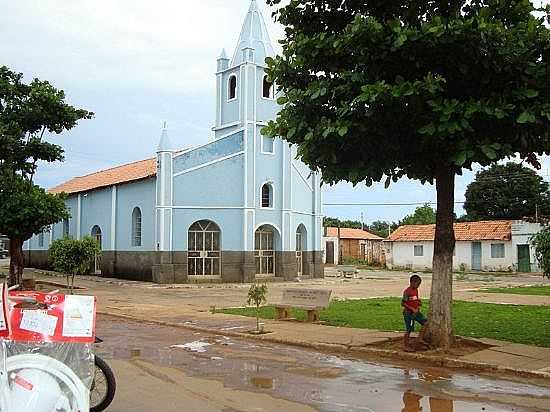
(500, 245)
(358, 244)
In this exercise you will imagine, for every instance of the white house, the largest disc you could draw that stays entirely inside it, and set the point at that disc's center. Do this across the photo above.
(484, 246)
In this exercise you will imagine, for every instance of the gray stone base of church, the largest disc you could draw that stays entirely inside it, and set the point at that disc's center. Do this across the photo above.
(171, 267)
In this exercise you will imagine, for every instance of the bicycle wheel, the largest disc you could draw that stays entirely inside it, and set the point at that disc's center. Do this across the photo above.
(103, 388)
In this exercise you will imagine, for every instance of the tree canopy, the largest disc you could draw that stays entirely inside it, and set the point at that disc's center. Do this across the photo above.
(377, 90)
(27, 113)
(423, 215)
(510, 191)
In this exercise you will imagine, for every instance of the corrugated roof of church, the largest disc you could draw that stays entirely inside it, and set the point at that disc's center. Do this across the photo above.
(130, 172)
(348, 233)
(474, 231)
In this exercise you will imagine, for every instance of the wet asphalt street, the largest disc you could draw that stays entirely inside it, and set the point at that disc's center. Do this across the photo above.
(173, 369)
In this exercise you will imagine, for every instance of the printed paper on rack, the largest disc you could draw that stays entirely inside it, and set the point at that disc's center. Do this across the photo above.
(78, 316)
(38, 322)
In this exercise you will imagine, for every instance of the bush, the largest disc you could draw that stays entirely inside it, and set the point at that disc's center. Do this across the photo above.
(257, 296)
(541, 242)
(73, 257)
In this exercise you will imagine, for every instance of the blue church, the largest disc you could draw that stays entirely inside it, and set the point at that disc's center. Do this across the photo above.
(238, 208)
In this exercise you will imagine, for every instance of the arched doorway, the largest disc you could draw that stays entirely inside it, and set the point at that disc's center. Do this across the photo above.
(96, 234)
(301, 246)
(204, 249)
(264, 250)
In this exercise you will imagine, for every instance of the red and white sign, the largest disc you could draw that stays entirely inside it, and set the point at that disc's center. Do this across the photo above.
(57, 318)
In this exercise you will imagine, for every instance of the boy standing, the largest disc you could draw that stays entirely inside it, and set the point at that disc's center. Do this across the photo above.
(411, 308)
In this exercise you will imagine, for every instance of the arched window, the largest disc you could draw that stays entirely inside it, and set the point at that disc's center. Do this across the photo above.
(203, 249)
(232, 93)
(136, 227)
(267, 88)
(267, 195)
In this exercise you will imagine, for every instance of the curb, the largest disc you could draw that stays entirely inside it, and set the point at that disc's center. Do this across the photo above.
(438, 361)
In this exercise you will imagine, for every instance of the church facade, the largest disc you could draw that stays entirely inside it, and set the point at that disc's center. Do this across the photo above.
(238, 208)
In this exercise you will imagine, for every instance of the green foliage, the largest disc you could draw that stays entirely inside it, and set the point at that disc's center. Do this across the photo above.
(27, 112)
(377, 227)
(514, 323)
(26, 209)
(423, 215)
(541, 243)
(73, 257)
(381, 228)
(257, 296)
(510, 191)
(335, 222)
(522, 290)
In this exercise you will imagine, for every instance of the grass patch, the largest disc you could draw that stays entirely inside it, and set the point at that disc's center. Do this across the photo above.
(522, 290)
(513, 323)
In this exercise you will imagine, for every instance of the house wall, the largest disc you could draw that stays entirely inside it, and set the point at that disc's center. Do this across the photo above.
(522, 232)
(401, 255)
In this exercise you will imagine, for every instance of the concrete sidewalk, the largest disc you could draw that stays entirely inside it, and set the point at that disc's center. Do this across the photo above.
(189, 306)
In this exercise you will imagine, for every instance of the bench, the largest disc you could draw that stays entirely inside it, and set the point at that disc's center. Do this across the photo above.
(348, 271)
(310, 300)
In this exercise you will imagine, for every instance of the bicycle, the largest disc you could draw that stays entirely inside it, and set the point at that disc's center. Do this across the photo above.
(103, 387)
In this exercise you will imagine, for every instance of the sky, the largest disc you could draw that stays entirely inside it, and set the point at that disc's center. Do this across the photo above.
(137, 64)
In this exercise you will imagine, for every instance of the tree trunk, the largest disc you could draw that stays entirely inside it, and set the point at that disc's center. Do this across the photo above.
(439, 330)
(16, 262)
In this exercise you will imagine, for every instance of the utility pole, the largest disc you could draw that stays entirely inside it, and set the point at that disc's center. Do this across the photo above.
(362, 224)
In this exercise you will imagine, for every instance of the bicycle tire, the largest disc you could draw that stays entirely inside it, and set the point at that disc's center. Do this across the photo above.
(111, 385)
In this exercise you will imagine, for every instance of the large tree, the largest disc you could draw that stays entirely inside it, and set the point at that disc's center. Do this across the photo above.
(28, 112)
(378, 90)
(510, 191)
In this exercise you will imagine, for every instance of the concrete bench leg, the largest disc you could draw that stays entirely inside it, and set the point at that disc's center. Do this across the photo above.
(313, 316)
(282, 313)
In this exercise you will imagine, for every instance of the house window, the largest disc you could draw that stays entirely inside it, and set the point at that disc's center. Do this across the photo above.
(65, 227)
(41, 239)
(497, 250)
(136, 227)
(267, 88)
(232, 87)
(267, 195)
(268, 144)
(418, 250)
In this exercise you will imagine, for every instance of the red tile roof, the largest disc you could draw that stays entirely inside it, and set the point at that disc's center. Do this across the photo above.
(117, 175)
(483, 230)
(346, 233)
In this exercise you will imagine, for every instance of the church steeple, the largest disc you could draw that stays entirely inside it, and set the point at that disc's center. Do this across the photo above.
(164, 144)
(254, 37)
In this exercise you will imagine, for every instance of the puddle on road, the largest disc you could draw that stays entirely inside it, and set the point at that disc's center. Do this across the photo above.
(327, 383)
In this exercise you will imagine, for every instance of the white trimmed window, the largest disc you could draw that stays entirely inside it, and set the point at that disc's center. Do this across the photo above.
(267, 195)
(268, 145)
(232, 87)
(65, 228)
(497, 251)
(136, 227)
(418, 250)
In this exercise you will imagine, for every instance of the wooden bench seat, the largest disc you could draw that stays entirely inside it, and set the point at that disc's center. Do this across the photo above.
(310, 300)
